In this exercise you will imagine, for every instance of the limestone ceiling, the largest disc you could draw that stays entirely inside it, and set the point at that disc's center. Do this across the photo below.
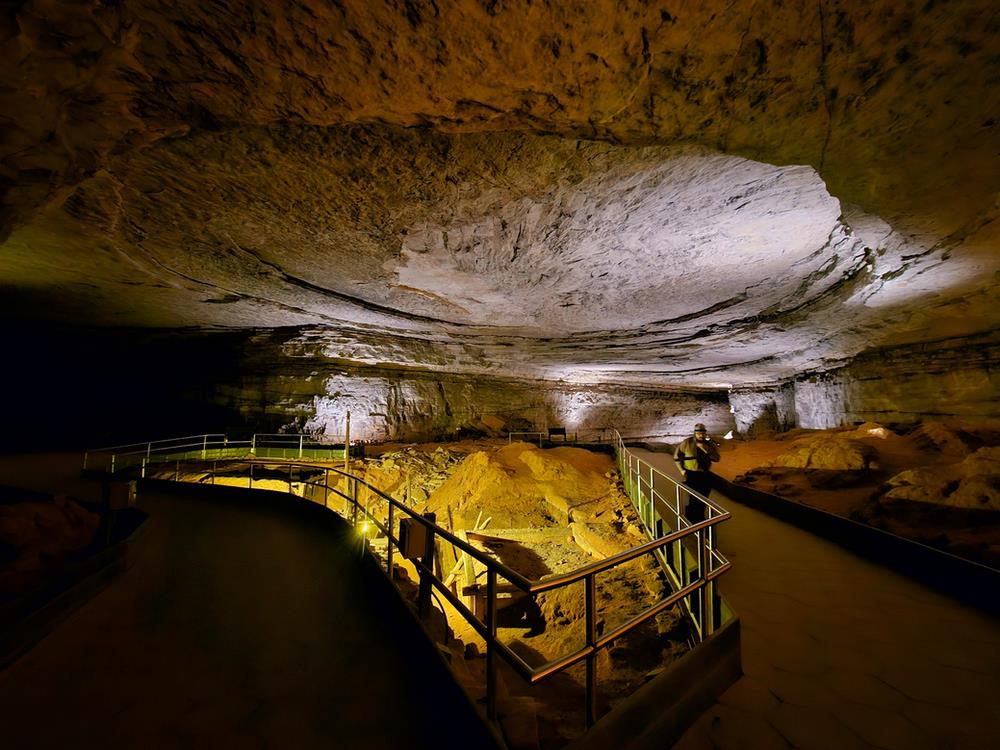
(696, 193)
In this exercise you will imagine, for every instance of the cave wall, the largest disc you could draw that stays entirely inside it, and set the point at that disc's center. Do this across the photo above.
(73, 389)
(953, 379)
(763, 409)
(958, 378)
(286, 385)
(412, 406)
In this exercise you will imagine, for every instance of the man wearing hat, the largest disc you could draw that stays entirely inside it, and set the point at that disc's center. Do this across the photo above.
(694, 458)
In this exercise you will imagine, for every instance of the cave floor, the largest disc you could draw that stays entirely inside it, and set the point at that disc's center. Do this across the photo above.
(235, 627)
(841, 653)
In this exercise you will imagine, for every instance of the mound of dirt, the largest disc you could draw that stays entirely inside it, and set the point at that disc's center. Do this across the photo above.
(870, 430)
(413, 473)
(973, 483)
(521, 485)
(828, 452)
(955, 438)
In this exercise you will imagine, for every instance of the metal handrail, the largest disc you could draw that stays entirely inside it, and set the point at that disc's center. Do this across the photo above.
(118, 457)
(151, 442)
(710, 565)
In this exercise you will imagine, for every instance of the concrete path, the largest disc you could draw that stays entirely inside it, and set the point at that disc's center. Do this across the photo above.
(236, 627)
(840, 653)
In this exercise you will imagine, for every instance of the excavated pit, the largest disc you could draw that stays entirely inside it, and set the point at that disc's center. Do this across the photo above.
(541, 512)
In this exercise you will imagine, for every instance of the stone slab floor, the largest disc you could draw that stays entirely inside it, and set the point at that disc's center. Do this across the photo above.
(839, 653)
(235, 627)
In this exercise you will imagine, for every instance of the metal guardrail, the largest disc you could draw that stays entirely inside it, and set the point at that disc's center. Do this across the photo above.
(210, 446)
(693, 584)
(680, 563)
(588, 435)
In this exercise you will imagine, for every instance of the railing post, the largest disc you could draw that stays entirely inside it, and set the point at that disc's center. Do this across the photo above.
(177, 471)
(326, 488)
(591, 623)
(112, 463)
(290, 480)
(250, 483)
(354, 502)
(700, 547)
(651, 526)
(708, 593)
(215, 470)
(204, 447)
(300, 446)
(388, 546)
(142, 471)
(424, 593)
(347, 442)
(253, 444)
(149, 449)
(491, 651)
(85, 457)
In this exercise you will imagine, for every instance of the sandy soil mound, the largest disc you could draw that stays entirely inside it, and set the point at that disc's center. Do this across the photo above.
(955, 438)
(413, 473)
(974, 483)
(828, 452)
(937, 484)
(37, 536)
(870, 430)
(521, 485)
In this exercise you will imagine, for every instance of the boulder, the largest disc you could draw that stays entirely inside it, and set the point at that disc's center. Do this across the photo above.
(946, 437)
(601, 539)
(828, 452)
(974, 483)
(872, 430)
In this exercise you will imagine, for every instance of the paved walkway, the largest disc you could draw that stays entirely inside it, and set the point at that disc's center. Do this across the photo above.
(236, 627)
(840, 653)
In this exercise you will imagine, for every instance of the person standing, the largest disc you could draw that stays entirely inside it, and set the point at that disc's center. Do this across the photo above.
(694, 458)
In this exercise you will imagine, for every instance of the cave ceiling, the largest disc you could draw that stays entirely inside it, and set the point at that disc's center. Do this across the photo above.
(684, 193)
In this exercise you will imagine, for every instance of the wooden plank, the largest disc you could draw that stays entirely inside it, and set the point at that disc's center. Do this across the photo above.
(451, 528)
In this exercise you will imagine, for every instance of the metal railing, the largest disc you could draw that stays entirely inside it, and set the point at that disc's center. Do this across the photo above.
(686, 552)
(587, 435)
(652, 493)
(210, 446)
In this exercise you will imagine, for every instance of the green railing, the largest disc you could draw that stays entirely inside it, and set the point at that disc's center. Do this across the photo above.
(211, 447)
(660, 501)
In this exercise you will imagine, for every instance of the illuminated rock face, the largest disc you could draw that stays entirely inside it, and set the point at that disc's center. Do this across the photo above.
(703, 196)
(956, 378)
(289, 386)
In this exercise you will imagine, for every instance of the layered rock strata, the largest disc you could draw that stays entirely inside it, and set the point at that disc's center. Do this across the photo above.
(111, 387)
(706, 195)
(953, 378)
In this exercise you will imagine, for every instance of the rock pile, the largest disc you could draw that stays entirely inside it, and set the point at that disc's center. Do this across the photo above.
(413, 473)
(955, 438)
(37, 536)
(973, 483)
(832, 452)
(520, 485)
